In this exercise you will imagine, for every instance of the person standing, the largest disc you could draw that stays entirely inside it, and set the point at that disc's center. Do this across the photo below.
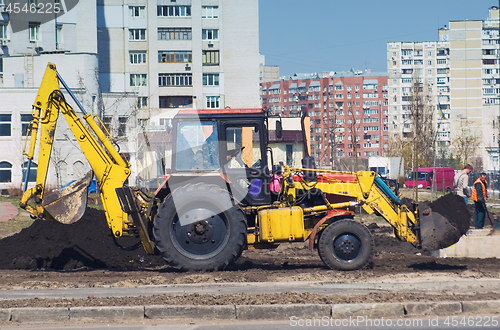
(479, 196)
(461, 182)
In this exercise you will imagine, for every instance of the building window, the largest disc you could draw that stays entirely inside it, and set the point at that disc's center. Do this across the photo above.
(137, 56)
(210, 57)
(210, 34)
(122, 126)
(137, 11)
(142, 102)
(25, 123)
(34, 29)
(138, 79)
(289, 154)
(59, 37)
(210, 79)
(488, 61)
(5, 172)
(32, 173)
(137, 34)
(175, 79)
(174, 33)
(3, 31)
(5, 124)
(174, 56)
(174, 11)
(175, 101)
(213, 102)
(209, 12)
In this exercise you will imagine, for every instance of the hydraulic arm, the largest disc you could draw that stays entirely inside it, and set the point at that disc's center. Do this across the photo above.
(362, 187)
(110, 168)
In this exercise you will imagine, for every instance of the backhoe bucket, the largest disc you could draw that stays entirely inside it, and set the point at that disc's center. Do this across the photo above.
(443, 222)
(67, 205)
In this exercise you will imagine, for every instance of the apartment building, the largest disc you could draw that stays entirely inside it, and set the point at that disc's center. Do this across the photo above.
(461, 73)
(429, 63)
(475, 84)
(134, 63)
(156, 57)
(348, 111)
(69, 41)
(180, 53)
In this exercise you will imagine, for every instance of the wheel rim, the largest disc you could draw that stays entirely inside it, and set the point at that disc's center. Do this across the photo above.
(347, 247)
(200, 234)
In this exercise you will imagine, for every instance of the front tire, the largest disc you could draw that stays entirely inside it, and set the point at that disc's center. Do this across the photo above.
(346, 245)
(198, 227)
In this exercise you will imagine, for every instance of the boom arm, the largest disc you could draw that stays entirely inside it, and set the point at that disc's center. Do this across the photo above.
(110, 168)
(362, 187)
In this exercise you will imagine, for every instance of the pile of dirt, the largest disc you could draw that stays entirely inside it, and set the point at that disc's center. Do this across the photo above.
(443, 222)
(85, 243)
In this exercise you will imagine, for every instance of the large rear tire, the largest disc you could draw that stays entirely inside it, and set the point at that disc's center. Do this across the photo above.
(198, 227)
(346, 245)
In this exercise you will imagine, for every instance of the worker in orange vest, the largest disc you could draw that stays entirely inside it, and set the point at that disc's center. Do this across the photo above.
(479, 196)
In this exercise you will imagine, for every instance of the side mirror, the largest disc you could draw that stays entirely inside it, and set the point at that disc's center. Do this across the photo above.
(279, 129)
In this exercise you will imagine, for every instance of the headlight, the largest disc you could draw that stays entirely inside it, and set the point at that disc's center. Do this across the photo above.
(404, 186)
(420, 186)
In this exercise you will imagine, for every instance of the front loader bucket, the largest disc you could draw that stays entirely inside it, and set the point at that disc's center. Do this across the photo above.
(443, 222)
(67, 205)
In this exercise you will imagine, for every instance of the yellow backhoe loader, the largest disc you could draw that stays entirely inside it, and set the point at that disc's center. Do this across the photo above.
(223, 193)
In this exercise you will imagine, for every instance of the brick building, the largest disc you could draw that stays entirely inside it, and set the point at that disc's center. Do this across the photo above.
(344, 107)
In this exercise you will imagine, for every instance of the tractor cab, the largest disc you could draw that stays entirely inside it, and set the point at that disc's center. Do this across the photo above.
(227, 147)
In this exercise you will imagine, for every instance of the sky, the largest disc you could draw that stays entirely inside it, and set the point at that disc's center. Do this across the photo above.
(332, 35)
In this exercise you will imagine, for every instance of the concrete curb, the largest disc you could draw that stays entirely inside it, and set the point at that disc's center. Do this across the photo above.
(246, 312)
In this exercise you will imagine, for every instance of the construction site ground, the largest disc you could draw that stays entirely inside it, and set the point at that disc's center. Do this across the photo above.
(426, 278)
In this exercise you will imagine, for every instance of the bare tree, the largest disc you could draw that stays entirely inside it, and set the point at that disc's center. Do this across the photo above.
(400, 147)
(332, 138)
(423, 128)
(354, 129)
(466, 142)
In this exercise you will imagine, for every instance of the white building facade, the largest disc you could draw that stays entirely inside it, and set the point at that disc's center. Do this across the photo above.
(133, 63)
(68, 41)
(174, 54)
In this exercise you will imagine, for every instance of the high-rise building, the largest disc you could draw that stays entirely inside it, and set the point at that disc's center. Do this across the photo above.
(461, 74)
(348, 111)
(156, 57)
(428, 62)
(134, 63)
(180, 54)
(475, 85)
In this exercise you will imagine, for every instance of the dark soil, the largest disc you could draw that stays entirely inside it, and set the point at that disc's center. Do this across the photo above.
(88, 244)
(85, 243)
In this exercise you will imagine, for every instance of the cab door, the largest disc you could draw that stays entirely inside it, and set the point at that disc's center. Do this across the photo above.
(244, 161)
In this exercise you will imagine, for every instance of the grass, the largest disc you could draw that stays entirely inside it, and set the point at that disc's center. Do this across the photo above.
(20, 221)
(23, 219)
